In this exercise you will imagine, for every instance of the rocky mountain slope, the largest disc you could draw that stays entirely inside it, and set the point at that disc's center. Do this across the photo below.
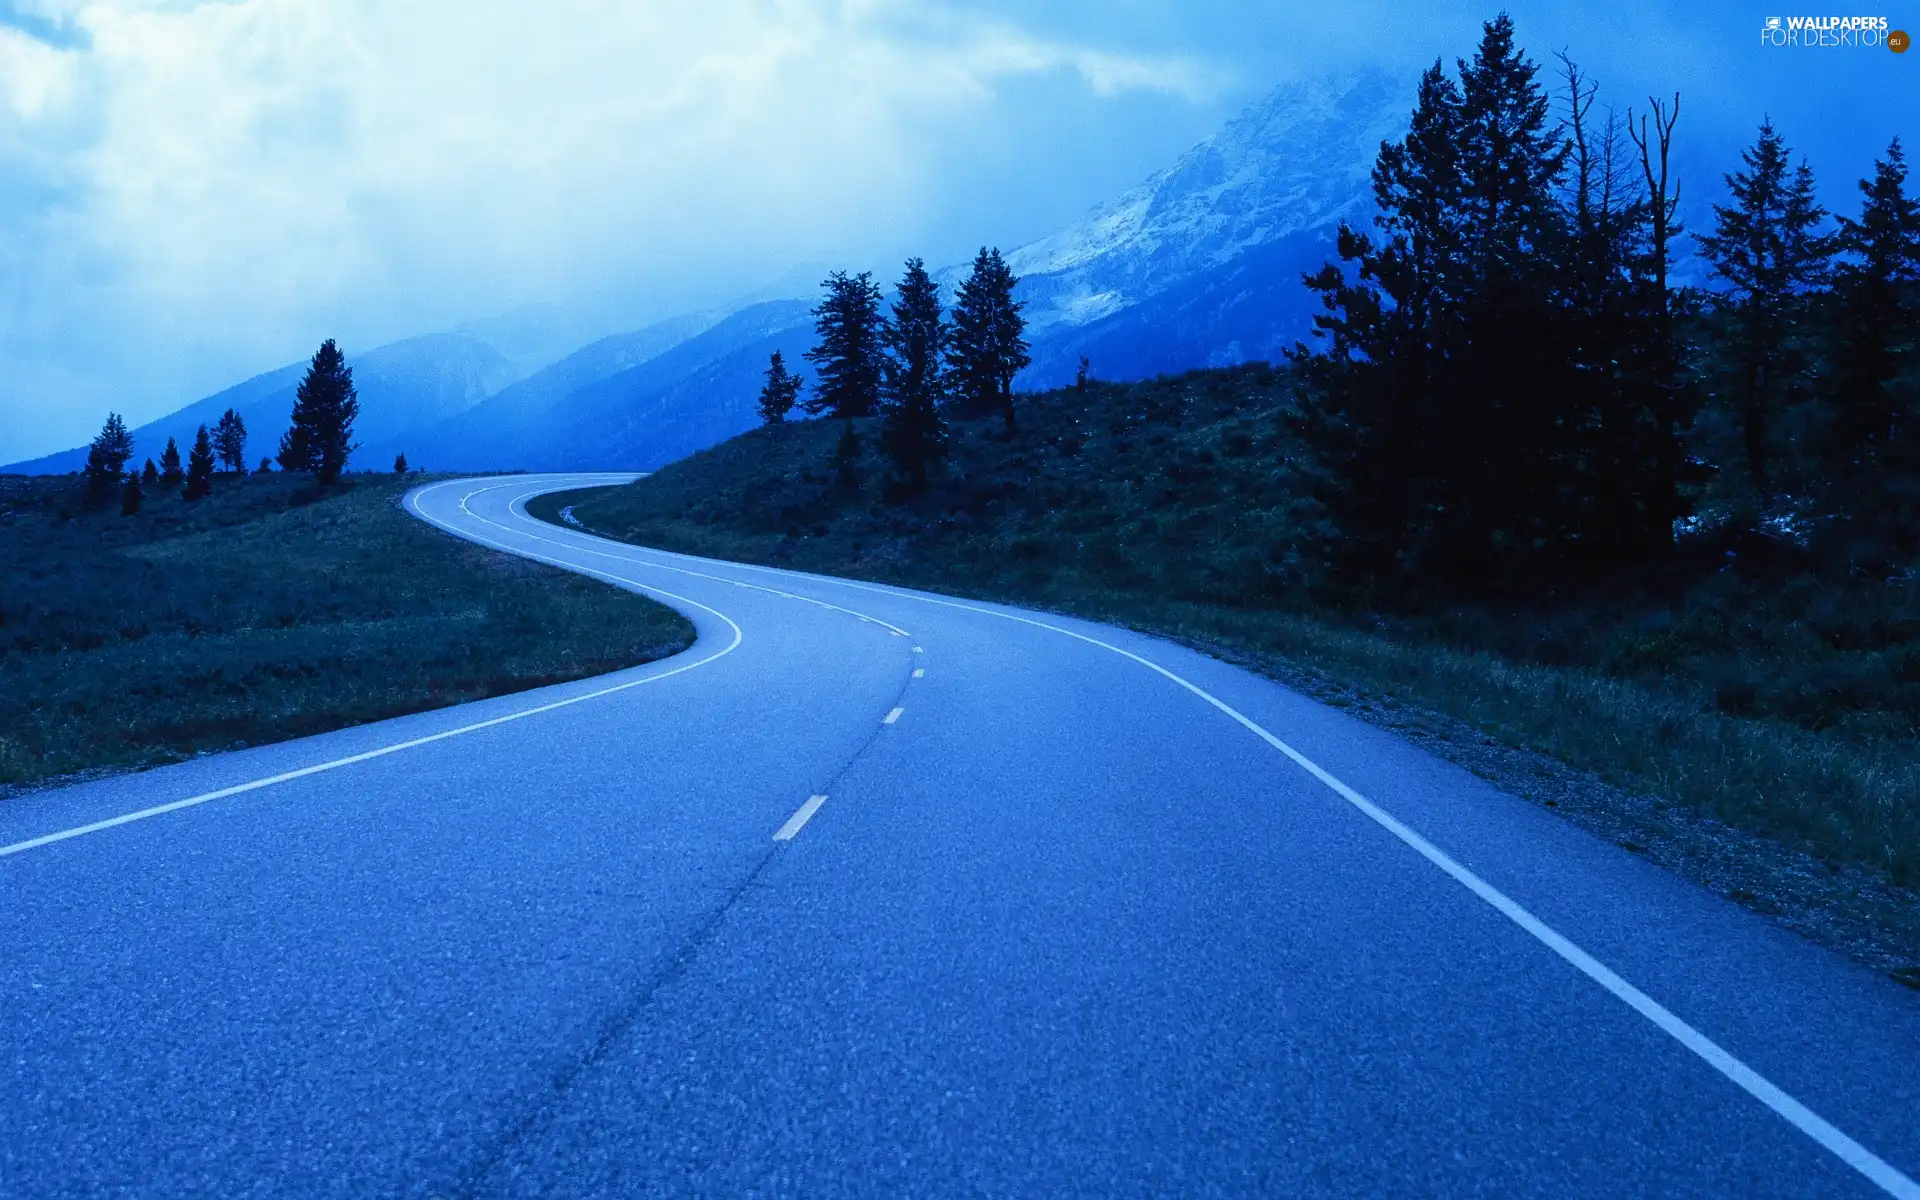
(1199, 265)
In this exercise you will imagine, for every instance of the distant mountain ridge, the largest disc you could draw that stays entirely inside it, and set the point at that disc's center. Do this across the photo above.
(402, 385)
(1197, 266)
(599, 425)
(527, 401)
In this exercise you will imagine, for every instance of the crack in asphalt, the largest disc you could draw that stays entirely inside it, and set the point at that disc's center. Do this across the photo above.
(472, 1181)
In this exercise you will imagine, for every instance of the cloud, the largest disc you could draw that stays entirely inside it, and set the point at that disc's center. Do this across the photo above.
(57, 30)
(217, 184)
(190, 192)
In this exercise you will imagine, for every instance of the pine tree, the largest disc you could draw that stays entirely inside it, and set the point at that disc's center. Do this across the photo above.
(987, 346)
(1768, 253)
(320, 438)
(107, 457)
(265, 467)
(149, 475)
(1373, 395)
(170, 472)
(912, 433)
(778, 394)
(296, 449)
(230, 442)
(200, 464)
(400, 464)
(1508, 491)
(846, 460)
(1377, 396)
(1080, 375)
(1872, 441)
(847, 359)
(130, 495)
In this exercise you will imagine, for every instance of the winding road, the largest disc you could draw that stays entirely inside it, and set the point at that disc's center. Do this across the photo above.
(876, 893)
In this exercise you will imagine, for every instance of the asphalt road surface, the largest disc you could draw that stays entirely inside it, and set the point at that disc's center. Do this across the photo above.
(1081, 913)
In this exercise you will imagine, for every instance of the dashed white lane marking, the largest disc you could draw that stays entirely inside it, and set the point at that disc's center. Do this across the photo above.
(891, 717)
(919, 672)
(918, 650)
(1884, 1175)
(799, 819)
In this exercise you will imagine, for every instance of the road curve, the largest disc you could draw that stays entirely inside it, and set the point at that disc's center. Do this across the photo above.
(873, 892)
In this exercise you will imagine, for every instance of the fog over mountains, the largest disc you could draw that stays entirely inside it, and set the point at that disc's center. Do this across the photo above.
(1197, 266)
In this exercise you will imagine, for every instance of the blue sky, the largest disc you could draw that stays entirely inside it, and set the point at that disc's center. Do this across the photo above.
(195, 192)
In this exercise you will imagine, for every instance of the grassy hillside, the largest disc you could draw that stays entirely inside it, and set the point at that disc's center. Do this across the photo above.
(266, 612)
(1781, 704)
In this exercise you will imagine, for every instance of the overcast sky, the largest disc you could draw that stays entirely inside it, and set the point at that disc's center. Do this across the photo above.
(191, 193)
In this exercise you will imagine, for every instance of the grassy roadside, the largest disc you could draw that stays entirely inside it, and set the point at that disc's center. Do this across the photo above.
(269, 611)
(1753, 737)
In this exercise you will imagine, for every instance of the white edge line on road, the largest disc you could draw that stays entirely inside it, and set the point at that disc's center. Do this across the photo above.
(799, 819)
(1881, 1173)
(919, 672)
(516, 506)
(382, 751)
(891, 717)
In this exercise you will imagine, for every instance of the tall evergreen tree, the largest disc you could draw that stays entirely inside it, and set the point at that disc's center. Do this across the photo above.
(200, 464)
(1768, 252)
(230, 442)
(846, 459)
(170, 472)
(130, 495)
(912, 433)
(320, 438)
(1872, 366)
(1375, 392)
(779, 392)
(847, 360)
(400, 464)
(987, 345)
(296, 449)
(149, 475)
(1508, 490)
(107, 457)
(1447, 438)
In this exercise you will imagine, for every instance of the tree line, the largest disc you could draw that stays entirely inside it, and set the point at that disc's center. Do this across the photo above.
(913, 366)
(1507, 388)
(318, 441)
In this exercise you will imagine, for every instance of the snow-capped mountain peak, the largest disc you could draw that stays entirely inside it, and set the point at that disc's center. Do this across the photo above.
(1297, 160)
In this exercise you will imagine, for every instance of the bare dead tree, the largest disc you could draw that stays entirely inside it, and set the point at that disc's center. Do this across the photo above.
(1662, 203)
(1663, 191)
(1579, 101)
